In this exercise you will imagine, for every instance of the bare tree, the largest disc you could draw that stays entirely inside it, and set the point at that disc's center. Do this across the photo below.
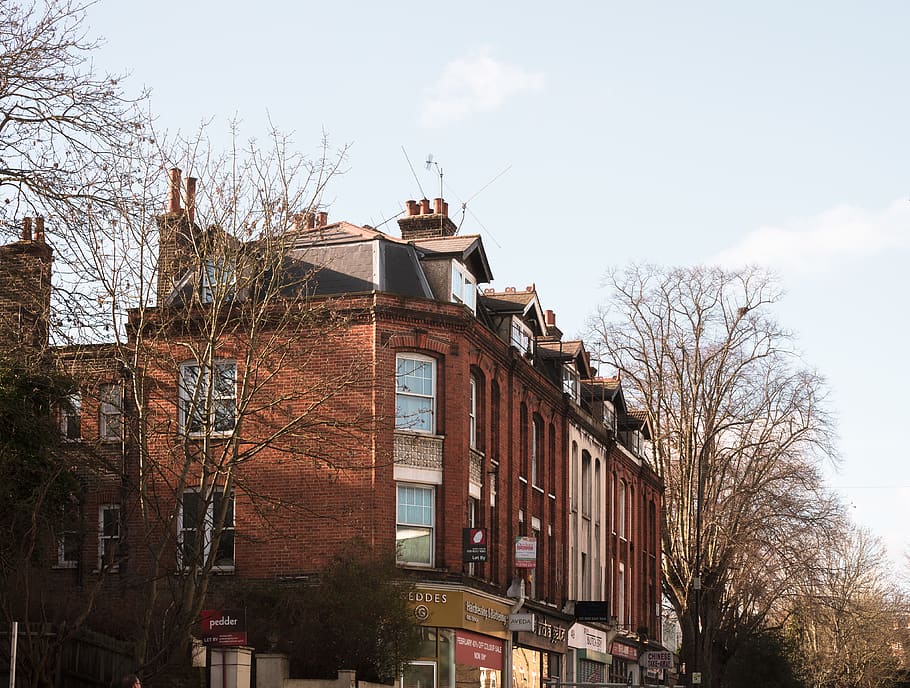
(739, 430)
(221, 339)
(849, 620)
(63, 126)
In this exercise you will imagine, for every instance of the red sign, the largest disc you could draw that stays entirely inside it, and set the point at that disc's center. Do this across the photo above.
(223, 627)
(624, 651)
(478, 650)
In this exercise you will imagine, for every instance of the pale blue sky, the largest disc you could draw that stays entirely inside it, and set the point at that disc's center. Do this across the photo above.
(676, 133)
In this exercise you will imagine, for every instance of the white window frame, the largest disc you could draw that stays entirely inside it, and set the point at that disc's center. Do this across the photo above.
(423, 417)
(621, 502)
(110, 412)
(464, 286)
(194, 396)
(108, 536)
(536, 441)
(570, 382)
(621, 595)
(472, 413)
(415, 517)
(208, 527)
(521, 336)
(71, 417)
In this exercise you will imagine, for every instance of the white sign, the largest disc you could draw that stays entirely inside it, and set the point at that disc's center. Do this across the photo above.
(657, 660)
(521, 622)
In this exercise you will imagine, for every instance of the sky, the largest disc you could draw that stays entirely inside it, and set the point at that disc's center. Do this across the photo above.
(592, 135)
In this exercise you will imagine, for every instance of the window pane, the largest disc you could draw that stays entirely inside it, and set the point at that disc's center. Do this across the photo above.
(415, 377)
(414, 413)
(415, 505)
(414, 544)
(225, 553)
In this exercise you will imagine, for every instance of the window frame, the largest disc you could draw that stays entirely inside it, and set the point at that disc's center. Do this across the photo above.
(402, 524)
(71, 417)
(424, 419)
(110, 406)
(464, 286)
(105, 540)
(199, 400)
(536, 441)
(208, 530)
(621, 506)
(524, 341)
(219, 278)
(570, 382)
(472, 413)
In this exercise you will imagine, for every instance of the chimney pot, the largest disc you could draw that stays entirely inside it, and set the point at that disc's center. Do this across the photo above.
(439, 206)
(445, 209)
(191, 199)
(413, 207)
(322, 219)
(424, 206)
(173, 194)
(510, 290)
(39, 229)
(26, 229)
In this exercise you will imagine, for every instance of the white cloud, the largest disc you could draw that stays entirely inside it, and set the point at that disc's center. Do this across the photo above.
(824, 241)
(476, 83)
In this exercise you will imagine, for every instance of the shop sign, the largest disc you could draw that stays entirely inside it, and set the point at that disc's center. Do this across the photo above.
(592, 610)
(585, 638)
(657, 659)
(478, 650)
(525, 552)
(624, 651)
(521, 622)
(450, 608)
(224, 628)
(473, 544)
(548, 634)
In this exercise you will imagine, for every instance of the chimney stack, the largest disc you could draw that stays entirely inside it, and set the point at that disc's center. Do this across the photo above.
(322, 219)
(422, 222)
(26, 229)
(39, 229)
(190, 198)
(551, 318)
(173, 193)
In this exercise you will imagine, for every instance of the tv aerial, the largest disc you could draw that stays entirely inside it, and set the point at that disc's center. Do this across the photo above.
(430, 164)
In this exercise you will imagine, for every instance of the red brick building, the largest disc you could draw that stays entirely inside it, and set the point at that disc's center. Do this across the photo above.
(267, 411)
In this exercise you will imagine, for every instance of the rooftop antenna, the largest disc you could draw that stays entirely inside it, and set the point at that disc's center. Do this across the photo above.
(413, 172)
(430, 163)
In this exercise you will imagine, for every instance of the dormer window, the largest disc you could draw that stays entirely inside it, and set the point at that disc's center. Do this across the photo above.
(570, 382)
(464, 286)
(522, 337)
(609, 416)
(218, 281)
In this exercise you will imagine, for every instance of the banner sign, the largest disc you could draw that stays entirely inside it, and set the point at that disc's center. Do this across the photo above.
(224, 627)
(478, 650)
(474, 544)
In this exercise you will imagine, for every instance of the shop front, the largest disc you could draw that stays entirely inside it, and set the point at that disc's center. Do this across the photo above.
(538, 656)
(589, 657)
(624, 663)
(464, 639)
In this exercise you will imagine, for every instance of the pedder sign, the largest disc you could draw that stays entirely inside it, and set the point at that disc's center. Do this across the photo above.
(223, 627)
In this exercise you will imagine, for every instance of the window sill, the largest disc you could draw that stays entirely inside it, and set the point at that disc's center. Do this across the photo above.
(67, 565)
